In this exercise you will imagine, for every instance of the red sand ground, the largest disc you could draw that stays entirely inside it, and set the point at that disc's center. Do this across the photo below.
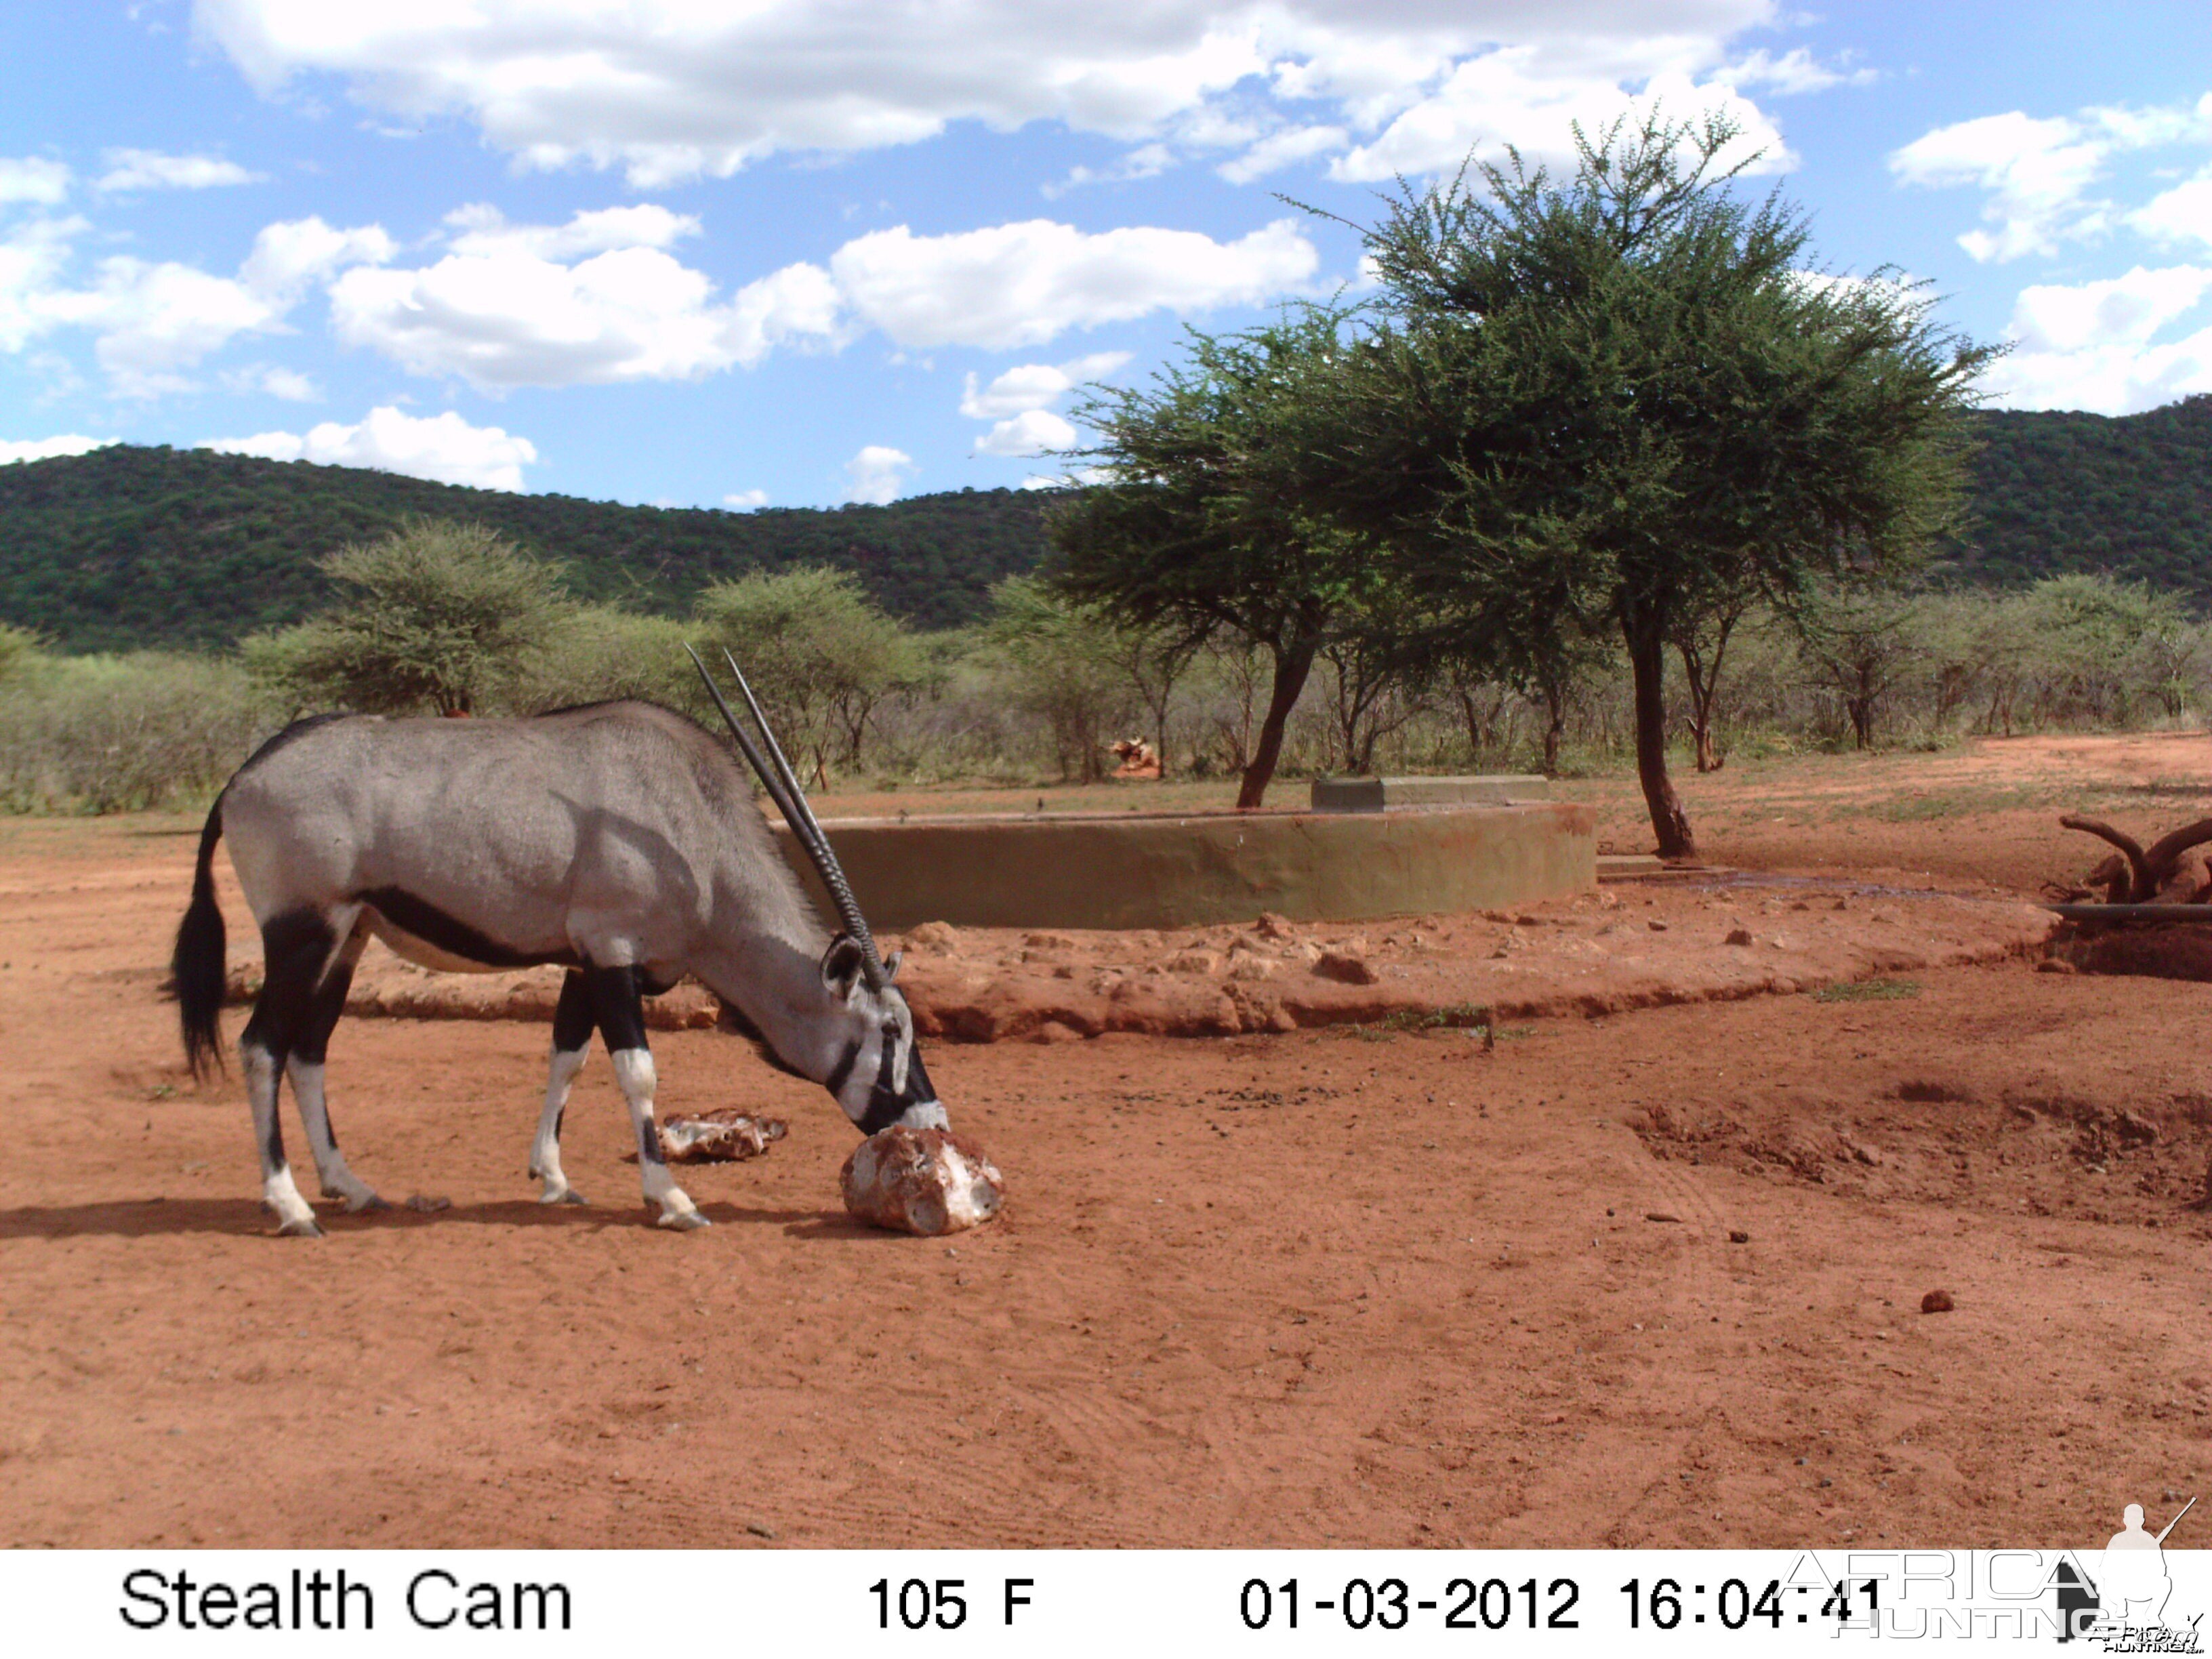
(1351, 1286)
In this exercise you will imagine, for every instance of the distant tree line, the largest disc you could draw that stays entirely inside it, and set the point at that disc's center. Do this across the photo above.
(134, 547)
(443, 617)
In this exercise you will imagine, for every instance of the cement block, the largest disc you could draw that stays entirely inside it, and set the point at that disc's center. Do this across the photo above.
(1132, 870)
(1379, 795)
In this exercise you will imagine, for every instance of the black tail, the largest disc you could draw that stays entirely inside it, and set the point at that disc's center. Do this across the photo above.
(196, 963)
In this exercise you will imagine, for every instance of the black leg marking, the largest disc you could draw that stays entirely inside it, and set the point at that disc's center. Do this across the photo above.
(295, 946)
(617, 1007)
(572, 1015)
(329, 1002)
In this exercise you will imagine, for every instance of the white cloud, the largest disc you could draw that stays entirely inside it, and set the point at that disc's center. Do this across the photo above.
(1145, 161)
(272, 380)
(1022, 284)
(1034, 386)
(2179, 214)
(1499, 99)
(2040, 171)
(288, 257)
(1281, 150)
(291, 385)
(1796, 71)
(877, 474)
(154, 321)
(503, 310)
(1034, 432)
(672, 89)
(484, 232)
(40, 449)
(514, 305)
(1081, 475)
(148, 169)
(33, 256)
(443, 447)
(743, 500)
(33, 179)
(2095, 345)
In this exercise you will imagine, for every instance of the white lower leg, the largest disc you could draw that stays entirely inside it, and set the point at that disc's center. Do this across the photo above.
(635, 1074)
(546, 1150)
(339, 1180)
(294, 1213)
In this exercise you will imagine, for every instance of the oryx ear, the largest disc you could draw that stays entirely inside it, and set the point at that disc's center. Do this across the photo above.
(891, 965)
(842, 964)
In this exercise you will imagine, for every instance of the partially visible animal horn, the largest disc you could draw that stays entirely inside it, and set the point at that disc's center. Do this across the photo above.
(790, 799)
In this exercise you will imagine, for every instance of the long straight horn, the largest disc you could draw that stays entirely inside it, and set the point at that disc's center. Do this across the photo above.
(790, 800)
(751, 749)
(808, 828)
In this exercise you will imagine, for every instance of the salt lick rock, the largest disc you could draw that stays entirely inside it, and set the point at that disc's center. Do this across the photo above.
(928, 1181)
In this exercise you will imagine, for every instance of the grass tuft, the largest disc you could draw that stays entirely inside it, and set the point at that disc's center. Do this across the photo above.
(1869, 990)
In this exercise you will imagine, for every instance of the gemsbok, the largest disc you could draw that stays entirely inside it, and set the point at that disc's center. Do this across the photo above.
(619, 839)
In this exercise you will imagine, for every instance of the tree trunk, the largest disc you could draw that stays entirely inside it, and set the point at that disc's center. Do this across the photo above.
(1293, 665)
(1555, 725)
(1647, 656)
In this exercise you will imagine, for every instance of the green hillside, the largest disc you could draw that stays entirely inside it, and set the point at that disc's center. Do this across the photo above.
(2056, 492)
(129, 546)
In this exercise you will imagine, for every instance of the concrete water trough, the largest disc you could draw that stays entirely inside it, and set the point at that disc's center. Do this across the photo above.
(1194, 869)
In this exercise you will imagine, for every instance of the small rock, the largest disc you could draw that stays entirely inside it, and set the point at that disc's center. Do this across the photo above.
(1737, 1235)
(1053, 1031)
(1739, 935)
(928, 1181)
(1346, 967)
(422, 1204)
(760, 1530)
(2055, 965)
(935, 936)
(2133, 1130)
(1660, 1215)
(1937, 1301)
(1656, 924)
(1271, 926)
(1204, 964)
(1048, 942)
(1253, 968)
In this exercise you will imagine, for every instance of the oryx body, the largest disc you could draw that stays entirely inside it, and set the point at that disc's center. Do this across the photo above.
(619, 839)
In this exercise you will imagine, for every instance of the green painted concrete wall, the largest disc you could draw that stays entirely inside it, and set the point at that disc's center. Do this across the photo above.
(1165, 871)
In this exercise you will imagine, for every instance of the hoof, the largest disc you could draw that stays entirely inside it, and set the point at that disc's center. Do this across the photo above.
(363, 1205)
(684, 1221)
(306, 1227)
(566, 1196)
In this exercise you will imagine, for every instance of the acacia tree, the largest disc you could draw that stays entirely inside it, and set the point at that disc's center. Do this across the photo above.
(1197, 524)
(1627, 385)
(1065, 664)
(439, 614)
(817, 651)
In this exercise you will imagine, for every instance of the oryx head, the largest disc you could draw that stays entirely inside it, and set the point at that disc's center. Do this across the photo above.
(876, 1073)
(879, 1078)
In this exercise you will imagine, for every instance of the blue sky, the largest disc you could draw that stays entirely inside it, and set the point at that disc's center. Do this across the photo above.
(711, 252)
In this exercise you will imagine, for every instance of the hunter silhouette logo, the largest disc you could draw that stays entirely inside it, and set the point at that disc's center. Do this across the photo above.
(2123, 1609)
